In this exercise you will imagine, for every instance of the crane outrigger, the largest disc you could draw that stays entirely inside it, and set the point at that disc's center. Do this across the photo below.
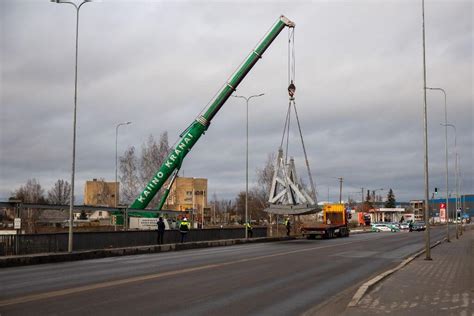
(170, 167)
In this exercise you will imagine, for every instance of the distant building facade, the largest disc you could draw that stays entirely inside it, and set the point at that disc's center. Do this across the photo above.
(100, 193)
(418, 209)
(188, 194)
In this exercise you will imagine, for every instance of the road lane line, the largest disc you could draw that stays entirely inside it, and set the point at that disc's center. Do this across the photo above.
(74, 290)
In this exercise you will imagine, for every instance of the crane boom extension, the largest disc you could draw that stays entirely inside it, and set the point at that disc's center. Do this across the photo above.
(191, 135)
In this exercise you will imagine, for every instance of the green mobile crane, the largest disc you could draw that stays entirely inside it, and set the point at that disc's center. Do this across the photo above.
(190, 136)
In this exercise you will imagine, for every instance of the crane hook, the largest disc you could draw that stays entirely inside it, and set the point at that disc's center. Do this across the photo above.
(291, 90)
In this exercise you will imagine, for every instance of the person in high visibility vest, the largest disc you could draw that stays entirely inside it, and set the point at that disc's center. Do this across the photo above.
(288, 226)
(183, 229)
(248, 227)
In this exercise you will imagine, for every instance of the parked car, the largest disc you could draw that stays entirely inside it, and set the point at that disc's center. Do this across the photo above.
(404, 226)
(381, 228)
(418, 226)
(395, 227)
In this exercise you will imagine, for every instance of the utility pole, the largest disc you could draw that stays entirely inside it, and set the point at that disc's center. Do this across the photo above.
(340, 189)
(425, 141)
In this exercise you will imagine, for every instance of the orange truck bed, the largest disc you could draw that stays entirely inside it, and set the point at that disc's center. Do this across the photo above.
(334, 223)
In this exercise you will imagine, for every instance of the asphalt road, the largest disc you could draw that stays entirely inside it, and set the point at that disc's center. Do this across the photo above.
(279, 278)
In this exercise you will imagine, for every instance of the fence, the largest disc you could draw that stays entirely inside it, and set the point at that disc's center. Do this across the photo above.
(58, 242)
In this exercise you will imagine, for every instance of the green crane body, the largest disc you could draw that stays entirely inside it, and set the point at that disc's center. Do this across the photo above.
(192, 134)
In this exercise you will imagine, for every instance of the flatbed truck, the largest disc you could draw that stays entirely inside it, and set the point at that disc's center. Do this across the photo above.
(334, 223)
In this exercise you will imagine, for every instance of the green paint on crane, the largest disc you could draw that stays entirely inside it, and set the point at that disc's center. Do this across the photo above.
(199, 126)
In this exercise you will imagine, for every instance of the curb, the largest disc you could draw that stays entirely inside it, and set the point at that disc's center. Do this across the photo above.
(15, 261)
(364, 288)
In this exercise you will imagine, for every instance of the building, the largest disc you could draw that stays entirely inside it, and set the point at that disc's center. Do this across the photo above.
(418, 209)
(100, 193)
(465, 205)
(388, 215)
(189, 194)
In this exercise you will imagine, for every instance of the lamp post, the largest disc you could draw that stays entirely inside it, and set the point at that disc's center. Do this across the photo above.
(247, 99)
(116, 159)
(71, 202)
(425, 143)
(456, 175)
(341, 179)
(373, 191)
(446, 156)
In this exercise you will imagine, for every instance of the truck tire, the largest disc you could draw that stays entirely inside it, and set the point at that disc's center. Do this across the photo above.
(331, 233)
(346, 232)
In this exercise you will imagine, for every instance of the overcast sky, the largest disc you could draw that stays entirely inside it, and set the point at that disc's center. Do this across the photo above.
(359, 78)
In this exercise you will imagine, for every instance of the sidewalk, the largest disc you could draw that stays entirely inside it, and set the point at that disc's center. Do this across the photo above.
(443, 286)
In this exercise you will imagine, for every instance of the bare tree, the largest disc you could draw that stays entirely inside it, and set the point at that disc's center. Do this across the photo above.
(153, 156)
(129, 176)
(223, 209)
(60, 192)
(104, 193)
(264, 180)
(31, 192)
(136, 172)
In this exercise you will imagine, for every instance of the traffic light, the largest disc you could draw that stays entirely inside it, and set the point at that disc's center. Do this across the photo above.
(436, 191)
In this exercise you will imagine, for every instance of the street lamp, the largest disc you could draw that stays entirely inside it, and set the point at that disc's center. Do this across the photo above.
(456, 175)
(247, 99)
(116, 141)
(373, 192)
(446, 156)
(425, 145)
(71, 202)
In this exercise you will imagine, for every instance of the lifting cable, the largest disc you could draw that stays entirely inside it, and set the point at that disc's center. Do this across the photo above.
(292, 103)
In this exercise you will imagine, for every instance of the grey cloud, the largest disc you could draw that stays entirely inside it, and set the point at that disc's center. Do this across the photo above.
(359, 85)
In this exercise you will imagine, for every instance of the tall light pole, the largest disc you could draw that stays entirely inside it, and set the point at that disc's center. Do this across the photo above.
(116, 159)
(247, 99)
(446, 155)
(425, 142)
(341, 179)
(71, 202)
(456, 175)
(373, 191)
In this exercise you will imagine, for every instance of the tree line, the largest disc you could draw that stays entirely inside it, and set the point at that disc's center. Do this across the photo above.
(137, 167)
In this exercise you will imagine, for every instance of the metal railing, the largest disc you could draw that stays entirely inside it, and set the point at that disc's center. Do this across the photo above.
(58, 242)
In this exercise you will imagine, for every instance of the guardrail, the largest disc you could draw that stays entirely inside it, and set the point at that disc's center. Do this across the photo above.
(57, 242)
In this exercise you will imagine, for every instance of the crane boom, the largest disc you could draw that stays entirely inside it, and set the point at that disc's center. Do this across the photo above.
(192, 134)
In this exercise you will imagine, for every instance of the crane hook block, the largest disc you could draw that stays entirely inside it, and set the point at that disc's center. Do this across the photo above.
(291, 89)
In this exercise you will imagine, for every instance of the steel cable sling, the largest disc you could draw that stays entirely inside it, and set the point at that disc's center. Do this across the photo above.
(292, 103)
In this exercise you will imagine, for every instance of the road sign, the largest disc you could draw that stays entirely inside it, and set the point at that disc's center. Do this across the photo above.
(17, 223)
(442, 213)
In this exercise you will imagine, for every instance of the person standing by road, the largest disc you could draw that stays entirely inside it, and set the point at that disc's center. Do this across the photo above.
(248, 227)
(288, 226)
(161, 230)
(183, 229)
